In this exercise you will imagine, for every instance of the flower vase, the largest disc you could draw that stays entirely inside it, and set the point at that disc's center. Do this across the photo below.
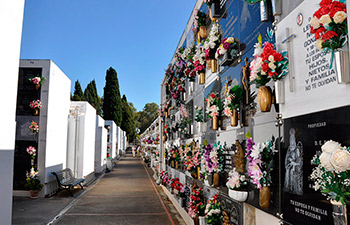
(214, 65)
(216, 180)
(265, 98)
(210, 179)
(196, 220)
(208, 63)
(34, 194)
(194, 174)
(279, 91)
(341, 62)
(201, 78)
(164, 138)
(199, 172)
(35, 112)
(202, 220)
(202, 32)
(166, 114)
(239, 196)
(177, 165)
(172, 164)
(234, 118)
(265, 197)
(215, 123)
(37, 86)
(172, 190)
(339, 213)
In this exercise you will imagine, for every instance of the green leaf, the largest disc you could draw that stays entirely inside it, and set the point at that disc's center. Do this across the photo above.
(248, 135)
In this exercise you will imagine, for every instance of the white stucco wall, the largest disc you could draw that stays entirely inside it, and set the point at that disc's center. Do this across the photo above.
(100, 145)
(81, 142)
(11, 19)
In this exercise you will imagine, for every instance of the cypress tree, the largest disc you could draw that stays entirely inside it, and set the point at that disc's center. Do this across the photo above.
(92, 97)
(128, 123)
(112, 103)
(78, 92)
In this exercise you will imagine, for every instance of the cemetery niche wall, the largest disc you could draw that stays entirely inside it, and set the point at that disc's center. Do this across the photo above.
(39, 124)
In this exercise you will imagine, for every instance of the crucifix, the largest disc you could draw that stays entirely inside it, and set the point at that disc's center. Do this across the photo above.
(288, 39)
(245, 79)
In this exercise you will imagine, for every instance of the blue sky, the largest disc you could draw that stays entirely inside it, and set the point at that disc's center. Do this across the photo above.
(85, 37)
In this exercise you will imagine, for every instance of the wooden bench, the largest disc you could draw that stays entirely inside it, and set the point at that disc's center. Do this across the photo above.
(66, 180)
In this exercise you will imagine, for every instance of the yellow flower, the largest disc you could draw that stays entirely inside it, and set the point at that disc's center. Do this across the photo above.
(230, 40)
(319, 44)
(339, 17)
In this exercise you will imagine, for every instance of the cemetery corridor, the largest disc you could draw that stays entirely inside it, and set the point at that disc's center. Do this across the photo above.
(126, 195)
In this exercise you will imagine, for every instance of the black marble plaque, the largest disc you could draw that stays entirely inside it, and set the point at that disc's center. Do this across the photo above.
(304, 136)
(233, 209)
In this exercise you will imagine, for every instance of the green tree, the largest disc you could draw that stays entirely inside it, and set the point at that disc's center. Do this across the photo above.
(78, 92)
(128, 123)
(146, 116)
(92, 97)
(112, 103)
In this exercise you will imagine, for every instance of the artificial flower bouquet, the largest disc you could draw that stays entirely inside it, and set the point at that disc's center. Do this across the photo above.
(212, 43)
(31, 151)
(32, 181)
(233, 99)
(332, 174)
(213, 213)
(261, 162)
(199, 114)
(192, 162)
(213, 162)
(237, 181)
(214, 105)
(34, 127)
(200, 24)
(229, 45)
(36, 104)
(268, 63)
(37, 80)
(164, 177)
(197, 203)
(329, 24)
(199, 59)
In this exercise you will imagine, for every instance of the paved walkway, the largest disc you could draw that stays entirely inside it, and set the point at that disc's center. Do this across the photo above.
(126, 195)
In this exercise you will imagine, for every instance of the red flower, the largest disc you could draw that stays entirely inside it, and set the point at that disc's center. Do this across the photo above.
(265, 67)
(328, 35)
(325, 2)
(278, 57)
(319, 32)
(212, 95)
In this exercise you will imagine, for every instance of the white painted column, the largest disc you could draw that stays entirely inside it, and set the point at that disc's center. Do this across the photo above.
(11, 19)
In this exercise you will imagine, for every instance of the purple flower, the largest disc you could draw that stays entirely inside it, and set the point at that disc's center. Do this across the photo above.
(227, 45)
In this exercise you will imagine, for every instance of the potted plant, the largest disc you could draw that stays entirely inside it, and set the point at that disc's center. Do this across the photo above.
(36, 106)
(37, 80)
(267, 64)
(237, 186)
(33, 183)
(331, 177)
(232, 103)
(261, 165)
(197, 204)
(329, 24)
(214, 108)
(211, 45)
(213, 213)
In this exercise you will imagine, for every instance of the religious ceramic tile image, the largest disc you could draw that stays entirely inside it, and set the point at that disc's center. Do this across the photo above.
(293, 181)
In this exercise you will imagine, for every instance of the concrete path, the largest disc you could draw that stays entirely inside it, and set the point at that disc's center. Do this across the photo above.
(126, 195)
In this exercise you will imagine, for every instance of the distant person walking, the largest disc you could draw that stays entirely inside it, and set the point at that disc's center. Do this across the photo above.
(133, 151)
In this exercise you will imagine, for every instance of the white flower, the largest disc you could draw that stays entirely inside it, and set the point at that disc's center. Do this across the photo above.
(230, 40)
(257, 50)
(315, 23)
(319, 44)
(256, 151)
(325, 20)
(340, 160)
(339, 17)
(272, 65)
(271, 58)
(325, 159)
(330, 146)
